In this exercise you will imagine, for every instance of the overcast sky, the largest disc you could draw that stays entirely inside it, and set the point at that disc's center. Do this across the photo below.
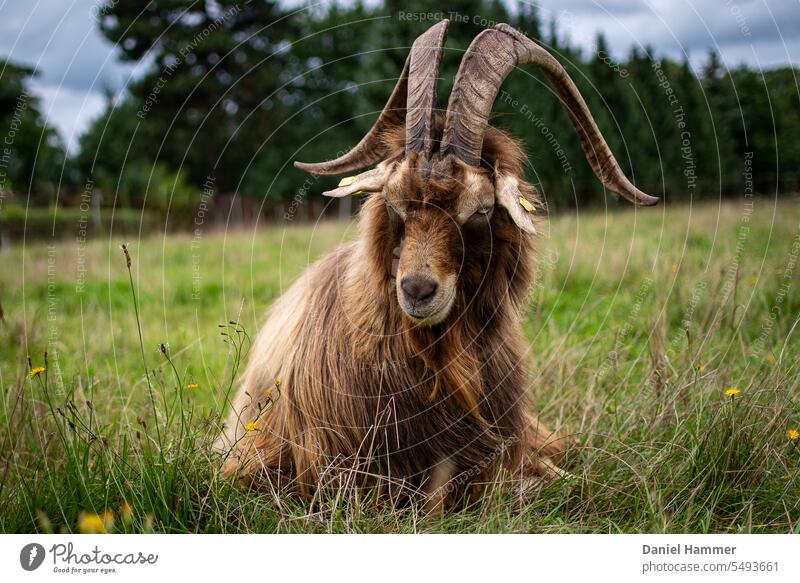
(60, 39)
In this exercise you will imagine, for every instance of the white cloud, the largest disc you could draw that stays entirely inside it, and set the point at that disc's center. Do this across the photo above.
(69, 110)
(757, 32)
(73, 61)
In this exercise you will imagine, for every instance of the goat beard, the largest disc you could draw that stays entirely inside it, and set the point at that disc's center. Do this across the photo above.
(449, 354)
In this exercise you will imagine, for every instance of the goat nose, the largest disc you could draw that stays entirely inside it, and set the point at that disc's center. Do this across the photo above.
(418, 288)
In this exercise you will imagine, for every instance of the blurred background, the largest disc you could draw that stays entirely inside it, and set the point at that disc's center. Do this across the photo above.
(147, 116)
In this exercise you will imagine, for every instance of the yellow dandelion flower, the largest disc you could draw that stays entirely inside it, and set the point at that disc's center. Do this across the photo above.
(90, 524)
(770, 359)
(269, 395)
(732, 391)
(250, 426)
(793, 434)
(35, 372)
(192, 386)
(277, 382)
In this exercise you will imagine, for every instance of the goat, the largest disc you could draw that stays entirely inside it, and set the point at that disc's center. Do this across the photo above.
(402, 351)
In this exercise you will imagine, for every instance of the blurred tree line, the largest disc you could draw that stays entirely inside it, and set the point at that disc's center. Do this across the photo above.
(235, 91)
(32, 155)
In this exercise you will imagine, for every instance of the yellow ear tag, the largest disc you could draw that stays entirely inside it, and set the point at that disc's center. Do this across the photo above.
(526, 204)
(347, 181)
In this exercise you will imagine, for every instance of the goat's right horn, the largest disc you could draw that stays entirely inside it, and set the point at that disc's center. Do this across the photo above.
(488, 60)
(413, 101)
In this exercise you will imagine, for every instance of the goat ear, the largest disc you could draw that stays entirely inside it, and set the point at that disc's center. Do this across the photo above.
(508, 196)
(370, 181)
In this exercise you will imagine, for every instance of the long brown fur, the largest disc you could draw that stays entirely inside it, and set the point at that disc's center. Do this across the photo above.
(362, 386)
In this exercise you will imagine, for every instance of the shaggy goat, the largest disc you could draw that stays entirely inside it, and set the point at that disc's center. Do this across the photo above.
(402, 352)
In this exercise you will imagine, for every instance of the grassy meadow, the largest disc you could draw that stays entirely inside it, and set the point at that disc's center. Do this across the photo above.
(665, 341)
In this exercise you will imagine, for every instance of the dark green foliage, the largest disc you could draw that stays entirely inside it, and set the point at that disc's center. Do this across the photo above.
(32, 157)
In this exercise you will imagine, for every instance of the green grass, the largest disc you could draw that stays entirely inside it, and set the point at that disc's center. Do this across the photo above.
(639, 322)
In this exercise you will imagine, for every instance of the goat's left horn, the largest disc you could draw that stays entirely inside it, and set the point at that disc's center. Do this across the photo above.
(487, 62)
(413, 101)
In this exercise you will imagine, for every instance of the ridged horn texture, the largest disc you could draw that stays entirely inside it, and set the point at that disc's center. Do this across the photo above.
(487, 62)
(425, 58)
(415, 87)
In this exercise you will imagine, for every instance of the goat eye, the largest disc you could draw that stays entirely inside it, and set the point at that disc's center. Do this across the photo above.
(482, 214)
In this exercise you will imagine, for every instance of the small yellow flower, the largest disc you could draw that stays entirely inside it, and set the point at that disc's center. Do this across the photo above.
(277, 382)
(90, 524)
(108, 520)
(793, 434)
(732, 391)
(250, 426)
(269, 395)
(701, 368)
(192, 386)
(126, 511)
(770, 359)
(753, 280)
(44, 522)
(35, 372)
(674, 268)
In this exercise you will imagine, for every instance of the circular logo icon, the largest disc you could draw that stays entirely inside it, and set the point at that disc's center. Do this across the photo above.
(31, 556)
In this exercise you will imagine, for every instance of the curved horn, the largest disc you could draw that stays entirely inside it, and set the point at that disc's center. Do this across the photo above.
(415, 87)
(487, 62)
